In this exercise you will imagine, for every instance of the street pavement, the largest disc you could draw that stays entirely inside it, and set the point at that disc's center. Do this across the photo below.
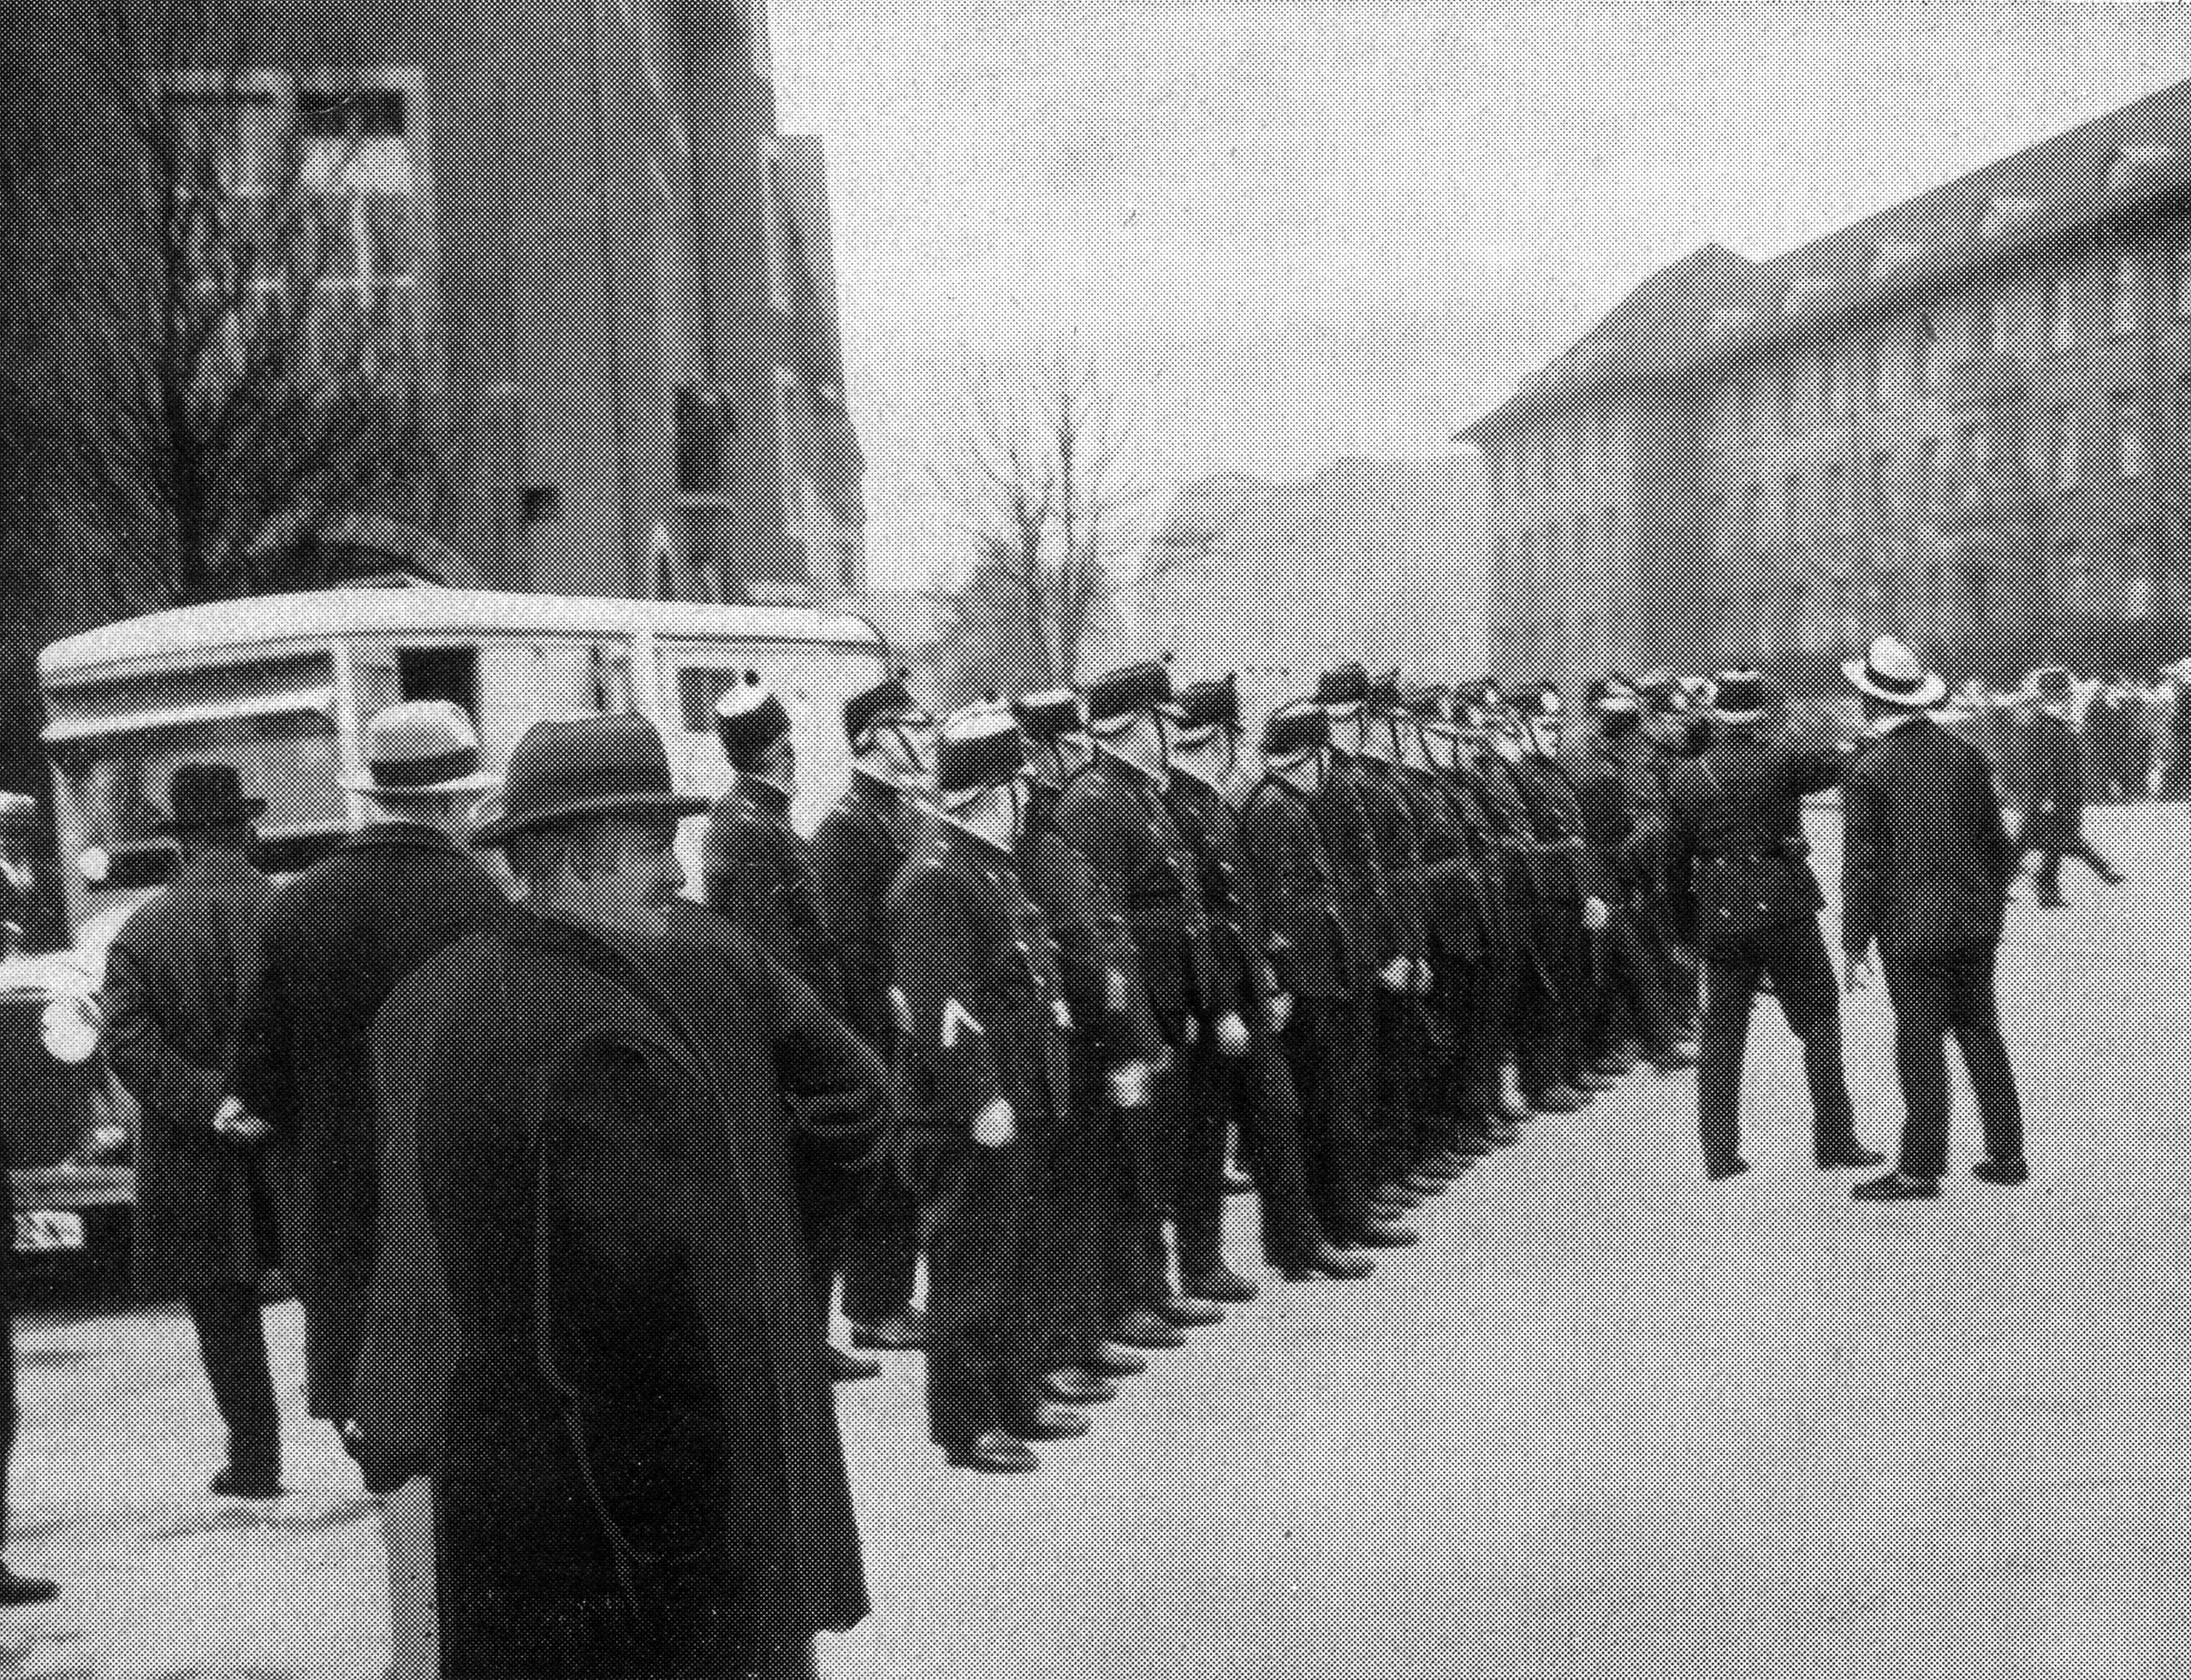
(1607, 1419)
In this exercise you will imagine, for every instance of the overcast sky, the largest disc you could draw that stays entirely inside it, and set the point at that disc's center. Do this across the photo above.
(1289, 232)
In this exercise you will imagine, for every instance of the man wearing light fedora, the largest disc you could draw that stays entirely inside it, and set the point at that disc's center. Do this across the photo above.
(1925, 870)
(600, 1342)
(337, 940)
(205, 1190)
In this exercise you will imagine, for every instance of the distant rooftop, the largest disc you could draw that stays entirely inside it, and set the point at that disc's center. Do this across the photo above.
(1714, 305)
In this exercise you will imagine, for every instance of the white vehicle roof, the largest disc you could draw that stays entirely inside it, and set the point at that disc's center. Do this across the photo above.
(427, 609)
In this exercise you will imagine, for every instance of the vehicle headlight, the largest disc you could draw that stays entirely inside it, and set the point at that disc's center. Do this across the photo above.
(71, 1035)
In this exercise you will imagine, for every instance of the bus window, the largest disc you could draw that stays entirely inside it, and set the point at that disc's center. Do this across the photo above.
(113, 786)
(440, 673)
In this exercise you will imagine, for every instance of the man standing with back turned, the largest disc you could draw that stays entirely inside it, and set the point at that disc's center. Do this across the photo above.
(1927, 865)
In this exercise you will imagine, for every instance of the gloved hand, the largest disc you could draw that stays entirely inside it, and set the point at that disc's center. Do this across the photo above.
(1232, 1033)
(1190, 1032)
(1279, 1010)
(1398, 975)
(1421, 976)
(994, 1127)
(1130, 1083)
(1595, 915)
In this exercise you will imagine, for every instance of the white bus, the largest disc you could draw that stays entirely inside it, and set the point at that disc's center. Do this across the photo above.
(280, 687)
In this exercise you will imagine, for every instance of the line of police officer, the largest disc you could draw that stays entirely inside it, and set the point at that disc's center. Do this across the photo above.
(1105, 954)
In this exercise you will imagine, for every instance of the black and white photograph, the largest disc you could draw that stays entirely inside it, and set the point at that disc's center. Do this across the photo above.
(1326, 839)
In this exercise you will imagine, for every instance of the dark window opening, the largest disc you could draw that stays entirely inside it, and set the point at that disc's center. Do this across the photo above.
(324, 115)
(439, 673)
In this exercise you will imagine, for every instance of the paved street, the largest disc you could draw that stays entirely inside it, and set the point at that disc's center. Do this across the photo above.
(1606, 1419)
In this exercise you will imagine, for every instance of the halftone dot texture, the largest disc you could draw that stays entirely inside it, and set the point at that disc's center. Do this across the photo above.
(1605, 1419)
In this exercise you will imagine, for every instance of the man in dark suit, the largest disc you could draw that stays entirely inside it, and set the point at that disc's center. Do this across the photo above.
(1927, 866)
(337, 940)
(600, 1341)
(205, 1204)
(1740, 838)
(2054, 780)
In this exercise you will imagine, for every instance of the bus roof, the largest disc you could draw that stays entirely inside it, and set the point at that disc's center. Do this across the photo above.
(429, 609)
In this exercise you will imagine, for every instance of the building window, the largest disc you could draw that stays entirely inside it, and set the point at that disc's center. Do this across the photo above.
(2124, 312)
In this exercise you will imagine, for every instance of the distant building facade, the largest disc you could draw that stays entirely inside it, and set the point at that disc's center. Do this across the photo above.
(1376, 560)
(1964, 420)
(575, 230)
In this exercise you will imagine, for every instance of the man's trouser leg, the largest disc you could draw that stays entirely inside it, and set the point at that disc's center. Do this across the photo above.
(1320, 1044)
(1809, 992)
(232, 1342)
(1134, 1267)
(881, 1253)
(1975, 1018)
(1918, 988)
(406, 1526)
(973, 1239)
(1271, 1126)
(1210, 1092)
(1730, 990)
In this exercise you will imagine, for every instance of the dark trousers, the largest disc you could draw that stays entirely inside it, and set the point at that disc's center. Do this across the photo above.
(1073, 1211)
(1211, 1100)
(1543, 1054)
(335, 1331)
(1936, 996)
(2055, 838)
(1144, 1172)
(231, 1329)
(881, 1251)
(1324, 1044)
(1794, 960)
(1633, 1002)
(980, 1332)
(1270, 1120)
(6, 1367)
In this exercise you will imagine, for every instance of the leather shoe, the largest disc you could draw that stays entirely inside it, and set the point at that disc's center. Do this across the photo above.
(846, 1367)
(24, 1588)
(1219, 1283)
(1330, 1262)
(2002, 1171)
(1378, 1234)
(1048, 1422)
(1078, 1387)
(1190, 1314)
(1111, 1360)
(1850, 1155)
(1559, 1100)
(901, 1332)
(1143, 1327)
(1725, 1169)
(234, 1484)
(1895, 1187)
(996, 1454)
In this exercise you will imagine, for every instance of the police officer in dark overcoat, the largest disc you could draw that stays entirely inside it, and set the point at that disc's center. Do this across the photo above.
(985, 1068)
(1252, 1094)
(1310, 942)
(758, 871)
(1741, 839)
(1116, 1046)
(2053, 784)
(1113, 812)
(884, 819)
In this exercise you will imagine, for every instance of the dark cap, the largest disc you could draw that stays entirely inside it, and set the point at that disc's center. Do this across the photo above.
(888, 698)
(1211, 705)
(1132, 691)
(1740, 694)
(1347, 685)
(1050, 717)
(981, 746)
(1297, 728)
(749, 720)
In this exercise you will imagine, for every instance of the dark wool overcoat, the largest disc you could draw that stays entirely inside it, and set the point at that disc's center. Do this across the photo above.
(593, 1317)
(1926, 861)
(337, 940)
(2054, 778)
(204, 1207)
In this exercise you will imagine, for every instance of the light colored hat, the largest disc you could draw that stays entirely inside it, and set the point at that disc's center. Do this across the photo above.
(1891, 672)
(420, 747)
(2056, 679)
